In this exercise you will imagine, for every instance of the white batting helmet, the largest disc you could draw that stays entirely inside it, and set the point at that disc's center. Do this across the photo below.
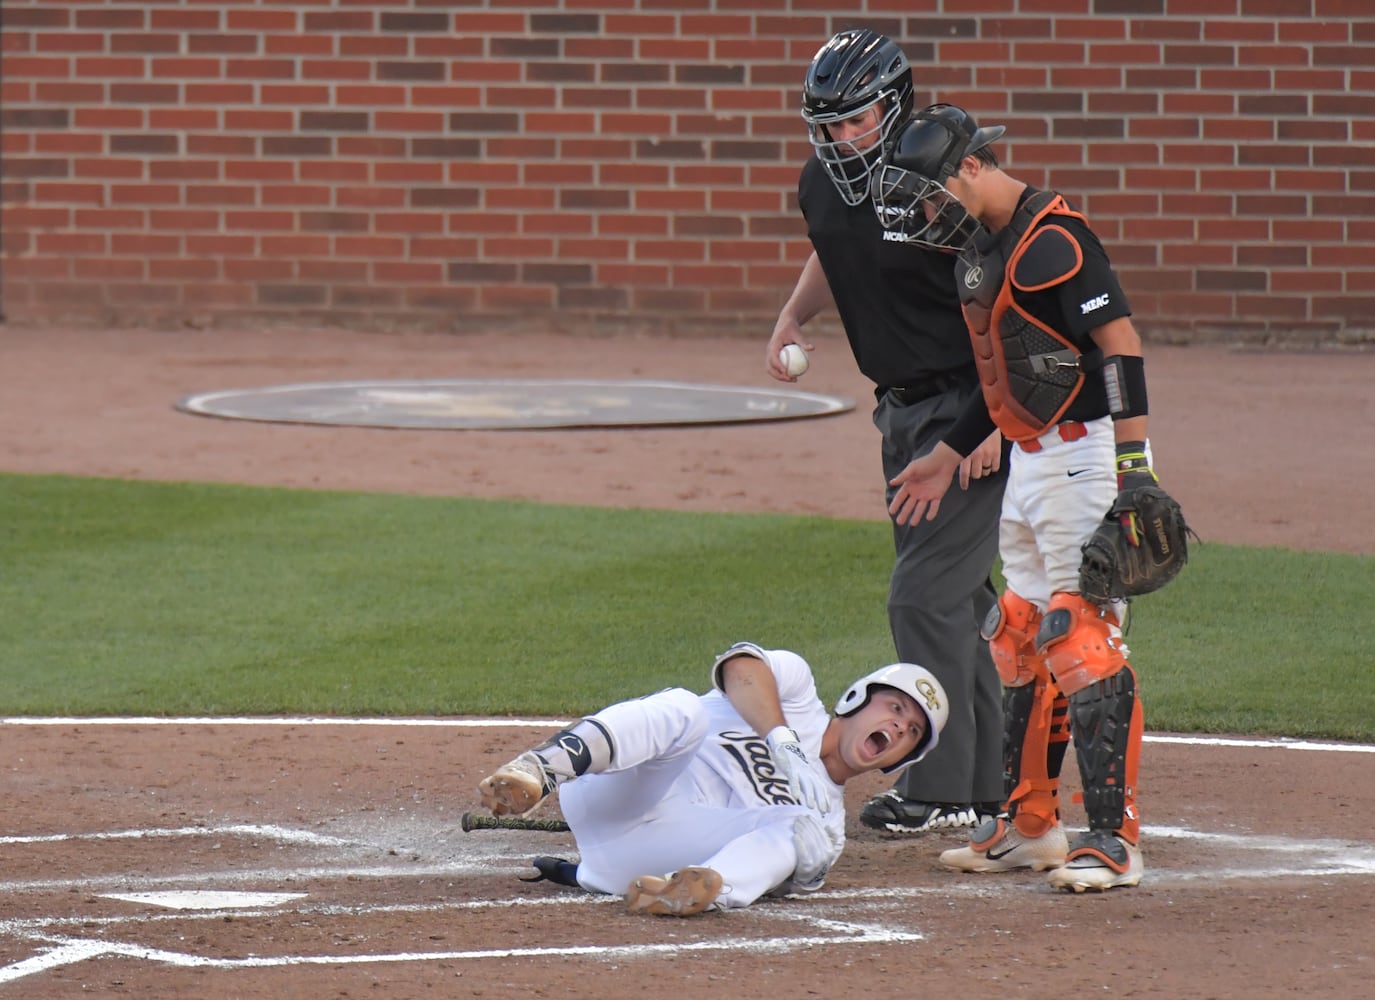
(910, 679)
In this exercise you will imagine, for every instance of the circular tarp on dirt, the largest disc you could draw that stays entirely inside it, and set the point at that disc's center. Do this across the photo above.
(487, 404)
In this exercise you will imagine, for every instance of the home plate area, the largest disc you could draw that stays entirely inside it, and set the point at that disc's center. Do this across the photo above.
(334, 901)
(295, 859)
(339, 903)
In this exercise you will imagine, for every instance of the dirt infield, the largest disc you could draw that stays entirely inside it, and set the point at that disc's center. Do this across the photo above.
(1260, 859)
(1270, 893)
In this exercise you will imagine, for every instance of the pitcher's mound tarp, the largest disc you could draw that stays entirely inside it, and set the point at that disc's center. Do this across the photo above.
(525, 404)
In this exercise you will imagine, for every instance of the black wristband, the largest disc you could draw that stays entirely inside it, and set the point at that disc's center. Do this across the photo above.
(1131, 457)
(1124, 378)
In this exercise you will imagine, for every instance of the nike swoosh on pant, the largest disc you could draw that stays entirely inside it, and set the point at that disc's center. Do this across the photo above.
(1077, 472)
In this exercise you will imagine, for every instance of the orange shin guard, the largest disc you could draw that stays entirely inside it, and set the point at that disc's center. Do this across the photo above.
(1108, 725)
(1035, 737)
(1035, 716)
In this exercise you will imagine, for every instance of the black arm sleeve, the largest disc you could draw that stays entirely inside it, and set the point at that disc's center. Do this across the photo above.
(973, 426)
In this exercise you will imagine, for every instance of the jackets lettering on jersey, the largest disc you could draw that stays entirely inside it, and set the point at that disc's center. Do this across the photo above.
(756, 763)
(1029, 372)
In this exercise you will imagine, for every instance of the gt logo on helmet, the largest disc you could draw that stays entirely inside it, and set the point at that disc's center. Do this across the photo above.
(929, 692)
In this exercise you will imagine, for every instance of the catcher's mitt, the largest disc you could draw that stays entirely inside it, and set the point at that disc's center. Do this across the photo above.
(1115, 567)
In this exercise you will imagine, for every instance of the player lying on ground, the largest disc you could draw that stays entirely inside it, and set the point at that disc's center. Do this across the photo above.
(677, 802)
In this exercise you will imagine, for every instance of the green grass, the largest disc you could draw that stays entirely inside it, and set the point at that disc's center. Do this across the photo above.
(152, 598)
(1260, 641)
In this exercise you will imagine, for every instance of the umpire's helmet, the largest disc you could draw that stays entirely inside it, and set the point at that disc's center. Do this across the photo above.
(910, 679)
(852, 72)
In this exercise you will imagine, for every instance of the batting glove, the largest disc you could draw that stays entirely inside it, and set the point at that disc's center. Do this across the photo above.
(804, 783)
(816, 848)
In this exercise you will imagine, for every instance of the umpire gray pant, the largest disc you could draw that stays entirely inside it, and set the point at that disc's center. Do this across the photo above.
(939, 593)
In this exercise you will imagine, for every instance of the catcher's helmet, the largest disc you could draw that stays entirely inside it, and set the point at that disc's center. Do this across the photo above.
(921, 156)
(910, 679)
(852, 72)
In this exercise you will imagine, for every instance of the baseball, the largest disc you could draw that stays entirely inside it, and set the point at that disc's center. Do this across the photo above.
(794, 359)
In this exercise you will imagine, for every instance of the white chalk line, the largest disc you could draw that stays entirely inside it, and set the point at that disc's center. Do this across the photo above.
(474, 862)
(120, 881)
(204, 899)
(314, 720)
(40, 926)
(1328, 856)
(35, 925)
(1261, 744)
(68, 951)
(285, 834)
(65, 950)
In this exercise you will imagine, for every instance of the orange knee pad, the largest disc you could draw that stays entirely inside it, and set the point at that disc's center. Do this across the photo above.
(1081, 642)
(1010, 629)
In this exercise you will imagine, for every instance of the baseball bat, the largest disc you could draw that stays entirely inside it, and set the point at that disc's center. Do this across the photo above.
(478, 821)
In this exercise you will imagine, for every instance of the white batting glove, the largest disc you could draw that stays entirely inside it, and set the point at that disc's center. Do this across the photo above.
(815, 850)
(804, 783)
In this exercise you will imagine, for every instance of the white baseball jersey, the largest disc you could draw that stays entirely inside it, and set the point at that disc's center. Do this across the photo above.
(733, 765)
(690, 784)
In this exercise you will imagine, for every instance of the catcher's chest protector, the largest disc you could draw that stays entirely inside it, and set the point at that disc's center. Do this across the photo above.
(1030, 373)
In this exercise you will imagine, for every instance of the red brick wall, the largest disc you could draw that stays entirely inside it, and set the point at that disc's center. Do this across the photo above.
(492, 162)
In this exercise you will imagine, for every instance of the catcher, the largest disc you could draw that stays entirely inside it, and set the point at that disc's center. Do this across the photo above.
(679, 803)
(1063, 377)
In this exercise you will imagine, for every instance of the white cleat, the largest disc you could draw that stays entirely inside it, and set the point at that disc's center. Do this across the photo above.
(1098, 862)
(685, 892)
(517, 787)
(998, 846)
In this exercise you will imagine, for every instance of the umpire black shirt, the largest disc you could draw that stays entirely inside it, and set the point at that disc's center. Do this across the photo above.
(896, 301)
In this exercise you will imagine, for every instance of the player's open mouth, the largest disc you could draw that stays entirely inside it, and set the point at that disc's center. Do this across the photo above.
(878, 742)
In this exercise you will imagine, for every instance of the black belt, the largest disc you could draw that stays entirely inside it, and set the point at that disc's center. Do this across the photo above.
(934, 385)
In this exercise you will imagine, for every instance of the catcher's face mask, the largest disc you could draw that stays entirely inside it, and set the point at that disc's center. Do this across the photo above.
(923, 211)
(909, 190)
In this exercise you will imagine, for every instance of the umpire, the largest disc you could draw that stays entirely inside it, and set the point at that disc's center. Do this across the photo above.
(901, 315)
